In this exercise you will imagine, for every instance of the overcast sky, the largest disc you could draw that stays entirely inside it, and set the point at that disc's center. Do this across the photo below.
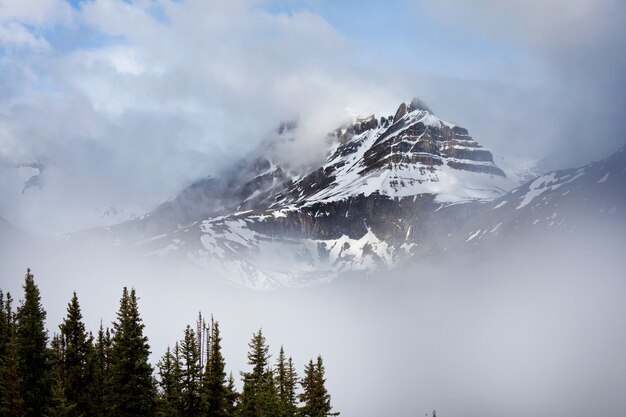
(123, 103)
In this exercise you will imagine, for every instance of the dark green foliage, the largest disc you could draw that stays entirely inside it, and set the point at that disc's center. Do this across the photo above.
(214, 387)
(169, 384)
(259, 397)
(111, 376)
(98, 364)
(286, 381)
(11, 402)
(315, 398)
(190, 375)
(59, 405)
(74, 371)
(291, 399)
(230, 403)
(281, 380)
(133, 392)
(34, 367)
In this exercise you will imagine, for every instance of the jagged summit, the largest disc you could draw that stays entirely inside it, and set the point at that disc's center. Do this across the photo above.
(417, 104)
(414, 152)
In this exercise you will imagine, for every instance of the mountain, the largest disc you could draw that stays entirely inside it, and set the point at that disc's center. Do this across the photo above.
(559, 202)
(392, 189)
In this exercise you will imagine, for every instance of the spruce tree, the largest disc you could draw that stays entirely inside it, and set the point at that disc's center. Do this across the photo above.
(133, 392)
(281, 381)
(5, 339)
(5, 326)
(59, 405)
(11, 402)
(190, 401)
(169, 384)
(34, 366)
(259, 396)
(231, 398)
(74, 371)
(214, 379)
(308, 388)
(268, 400)
(291, 381)
(98, 365)
(315, 397)
(286, 381)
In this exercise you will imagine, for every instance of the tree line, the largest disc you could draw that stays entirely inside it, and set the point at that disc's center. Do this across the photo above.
(76, 373)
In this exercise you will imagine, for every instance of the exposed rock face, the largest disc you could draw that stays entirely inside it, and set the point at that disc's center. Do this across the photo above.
(417, 153)
(400, 113)
(391, 189)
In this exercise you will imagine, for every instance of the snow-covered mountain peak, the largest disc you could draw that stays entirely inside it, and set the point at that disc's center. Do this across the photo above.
(414, 152)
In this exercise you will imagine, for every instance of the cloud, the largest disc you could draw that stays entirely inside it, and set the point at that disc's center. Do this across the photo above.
(36, 12)
(572, 106)
(168, 92)
(17, 17)
(128, 102)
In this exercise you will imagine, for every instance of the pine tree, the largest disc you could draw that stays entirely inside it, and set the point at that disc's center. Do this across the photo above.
(169, 384)
(281, 381)
(5, 326)
(59, 405)
(259, 396)
(190, 402)
(268, 400)
(230, 407)
(308, 388)
(11, 402)
(315, 397)
(34, 366)
(74, 371)
(98, 362)
(214, 378)
(133, 392)
(291, 381)
(286, 381)
(5, 339)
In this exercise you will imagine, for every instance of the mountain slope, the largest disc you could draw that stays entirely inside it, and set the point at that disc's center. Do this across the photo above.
(410, 186)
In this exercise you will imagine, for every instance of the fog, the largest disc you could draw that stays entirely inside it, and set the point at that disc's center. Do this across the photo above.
(536, 328)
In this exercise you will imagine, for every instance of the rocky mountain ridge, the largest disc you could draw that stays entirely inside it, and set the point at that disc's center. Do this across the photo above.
(411, 186)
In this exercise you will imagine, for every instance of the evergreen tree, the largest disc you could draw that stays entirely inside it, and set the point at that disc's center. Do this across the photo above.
(308, 388)
(286, 381)
(281, 381)
(59, 405)
(291, 381)
(5, 326)
(315, 397)
(190, 401)
(74, 372)
(5, 339)
(268, 400)
(214, 378)
(169, 384)
(133, 392)
(11, 402)
(259, 397)
(34, 368)
(98, 362)
(230, 407)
